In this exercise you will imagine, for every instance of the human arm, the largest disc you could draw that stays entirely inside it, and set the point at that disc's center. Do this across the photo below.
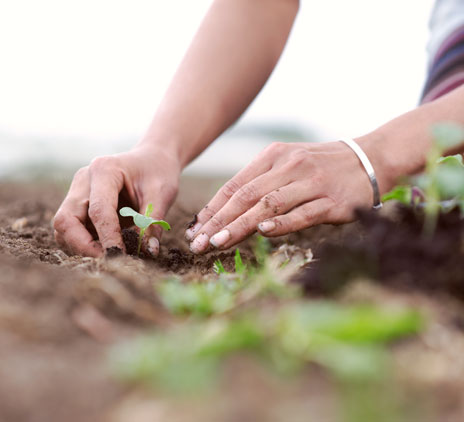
(289, 187)
(231, 57)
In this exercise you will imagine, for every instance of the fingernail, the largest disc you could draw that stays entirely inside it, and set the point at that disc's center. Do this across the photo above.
(266, 226)
(200, 243)
(153, 246)
(190, 233)
(220, 238)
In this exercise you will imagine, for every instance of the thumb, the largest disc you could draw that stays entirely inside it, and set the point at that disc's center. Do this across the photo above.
(159, 201)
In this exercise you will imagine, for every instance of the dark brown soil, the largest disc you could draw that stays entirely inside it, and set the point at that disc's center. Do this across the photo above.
(397, 253)
(60, 313)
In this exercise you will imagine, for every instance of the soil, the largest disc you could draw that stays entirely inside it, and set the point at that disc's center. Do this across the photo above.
(59, 314)
(395, 252)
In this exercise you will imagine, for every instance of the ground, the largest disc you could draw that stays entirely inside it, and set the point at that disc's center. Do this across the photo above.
(60, 315)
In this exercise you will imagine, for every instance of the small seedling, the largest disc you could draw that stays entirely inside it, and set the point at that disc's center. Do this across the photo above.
(218, 268)
(446, 136)
(240, 267)
(143, 221)
(443, 181)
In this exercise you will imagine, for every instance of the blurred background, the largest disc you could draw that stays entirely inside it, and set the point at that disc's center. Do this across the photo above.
(81, 79)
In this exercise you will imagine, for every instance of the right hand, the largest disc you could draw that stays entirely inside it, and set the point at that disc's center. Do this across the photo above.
(135, 178)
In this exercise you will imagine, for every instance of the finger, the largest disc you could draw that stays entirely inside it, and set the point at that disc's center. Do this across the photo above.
(161, 197)
(255, 192)
(71, 234)
(256, 168)
(277, 202)
(106, 181)
(59, 239)
(69, 221)
(307, 215)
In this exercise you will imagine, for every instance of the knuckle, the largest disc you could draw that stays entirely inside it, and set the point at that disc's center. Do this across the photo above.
(207, 212)
(243, 224)
(81, 173)
(109, 236)
(216, 222)
(317, 179)
(276, 148)
(60, 222)
(102, 163)
(274, 202)
(96, 210)
(229, 189)
(308, 216)
(299, 156)
(247, 194)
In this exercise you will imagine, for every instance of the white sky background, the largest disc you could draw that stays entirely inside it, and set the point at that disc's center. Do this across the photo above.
(96, 69)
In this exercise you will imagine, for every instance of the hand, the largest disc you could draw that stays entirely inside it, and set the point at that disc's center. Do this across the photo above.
(287, 187)
(87, 221)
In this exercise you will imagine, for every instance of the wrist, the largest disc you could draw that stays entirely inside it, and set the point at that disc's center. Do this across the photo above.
(387, 168)
(160, 149)
(167, 144)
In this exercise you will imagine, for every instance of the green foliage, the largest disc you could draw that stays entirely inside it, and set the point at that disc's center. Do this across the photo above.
(143, 221)
(262, 248)
(447, 135)
(218, 268)
(442, 181)
(240, 267)
(198, 298)
(346, 340)
(444, 177)
(399, 193)
(256, 312)
(226, 293)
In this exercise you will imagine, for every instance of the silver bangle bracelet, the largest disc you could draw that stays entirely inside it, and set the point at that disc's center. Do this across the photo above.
(368, 167)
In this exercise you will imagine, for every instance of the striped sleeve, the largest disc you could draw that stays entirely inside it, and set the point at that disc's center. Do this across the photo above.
(446, 70)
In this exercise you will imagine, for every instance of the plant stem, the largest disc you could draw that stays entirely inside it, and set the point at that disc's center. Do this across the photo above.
(432, 206)
(142, 232)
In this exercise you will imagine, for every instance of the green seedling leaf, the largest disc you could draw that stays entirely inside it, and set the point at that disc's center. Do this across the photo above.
(261, 249)
(197, 298)
(143, 221)
(451, 160)
(447, 135)
(164, 224)
(218, 268)
(450, 180)
(149, 210)
(127, 212)
(240, 267)
(399, 193)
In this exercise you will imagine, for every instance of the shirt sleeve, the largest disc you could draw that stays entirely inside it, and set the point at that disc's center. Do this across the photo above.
(445, 49)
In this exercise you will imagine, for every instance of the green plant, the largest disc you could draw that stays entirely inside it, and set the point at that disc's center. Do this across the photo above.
(442, 183)
(442, 173)
(199, 298)
(240, 267)
(143, 221)
(348, 340)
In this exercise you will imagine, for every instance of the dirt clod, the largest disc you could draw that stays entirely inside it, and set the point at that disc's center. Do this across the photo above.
(131, 241)
(113, 252)
(190, 224)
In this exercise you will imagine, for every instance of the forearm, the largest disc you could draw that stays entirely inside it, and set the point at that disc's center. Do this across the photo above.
(228, 62)
(400, 147)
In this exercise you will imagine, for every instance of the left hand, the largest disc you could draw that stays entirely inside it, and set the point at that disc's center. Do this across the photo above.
(286, 188)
